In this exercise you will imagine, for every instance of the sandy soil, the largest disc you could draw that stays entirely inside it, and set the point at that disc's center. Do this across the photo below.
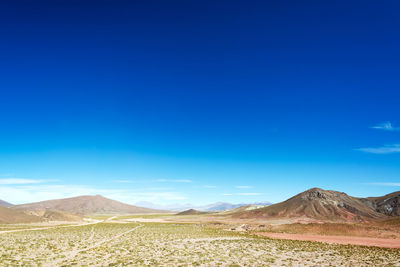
(167, 244)
(348, 240)
(71, 254)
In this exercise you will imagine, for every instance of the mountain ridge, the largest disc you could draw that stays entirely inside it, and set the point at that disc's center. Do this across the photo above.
(216, 206)
(86, 205)
(5, 204)
(319, 204)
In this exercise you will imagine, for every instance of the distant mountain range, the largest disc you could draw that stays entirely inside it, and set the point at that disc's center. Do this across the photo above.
(217, 206)
(315, 203)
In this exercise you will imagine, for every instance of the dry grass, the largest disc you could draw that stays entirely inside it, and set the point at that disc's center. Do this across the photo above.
(340, 229)
(160, 244)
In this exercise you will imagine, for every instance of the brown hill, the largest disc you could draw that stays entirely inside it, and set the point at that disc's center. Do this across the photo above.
(8, 215)
(318, 204)
(5, 203)
(388, 204)
(191, 212)
(86, 205)
(55, 215)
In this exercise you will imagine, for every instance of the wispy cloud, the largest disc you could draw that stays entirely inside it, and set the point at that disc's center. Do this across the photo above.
(387, 149)
(14, 181)
(243, 186)
(384, 184)
(227, 194)
(386, 126)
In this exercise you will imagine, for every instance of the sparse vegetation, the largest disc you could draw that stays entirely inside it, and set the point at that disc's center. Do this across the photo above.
(336, 229)
(174, 244)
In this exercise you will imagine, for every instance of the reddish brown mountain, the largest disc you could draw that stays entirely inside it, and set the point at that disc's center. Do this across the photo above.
(388, 204)
(86, 205)
(318, 204)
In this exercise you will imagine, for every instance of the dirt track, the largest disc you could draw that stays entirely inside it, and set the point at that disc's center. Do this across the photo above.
(347, 240)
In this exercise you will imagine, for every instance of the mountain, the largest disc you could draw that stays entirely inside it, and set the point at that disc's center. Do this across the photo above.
(86, 205)
(8, 215)
(318, 204)
(218, 206)
(221, 206)
(191, 212)
(170, 207)
(5, 204)
(388, 204)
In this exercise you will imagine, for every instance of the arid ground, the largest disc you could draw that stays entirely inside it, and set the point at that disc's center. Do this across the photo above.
(166, 240)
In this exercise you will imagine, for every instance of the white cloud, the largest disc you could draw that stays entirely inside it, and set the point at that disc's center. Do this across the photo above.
(227, 194)
(387, 149)
(386, 126)
(243, 186)
(21, 181)
(384, 184)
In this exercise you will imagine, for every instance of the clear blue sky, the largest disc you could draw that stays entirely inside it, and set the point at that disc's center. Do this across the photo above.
(198, 101)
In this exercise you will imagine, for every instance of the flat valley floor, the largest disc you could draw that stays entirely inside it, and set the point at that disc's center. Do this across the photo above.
(140, 243)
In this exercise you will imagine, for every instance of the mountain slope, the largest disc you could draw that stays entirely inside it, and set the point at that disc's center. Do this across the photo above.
(5, 204)
(388, 204)
(8, 215)
(318, 204)
(86, 205)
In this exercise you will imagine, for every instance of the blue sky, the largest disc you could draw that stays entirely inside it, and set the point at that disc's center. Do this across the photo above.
(198, 101)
